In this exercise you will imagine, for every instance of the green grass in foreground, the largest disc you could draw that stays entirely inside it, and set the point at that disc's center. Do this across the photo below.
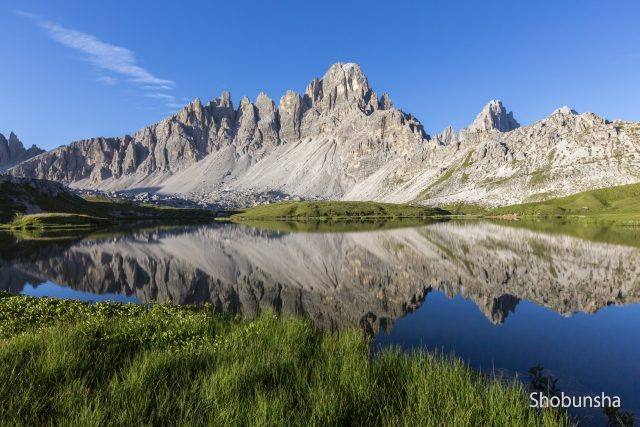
(614, 205)
(65, 362)
(335, 210)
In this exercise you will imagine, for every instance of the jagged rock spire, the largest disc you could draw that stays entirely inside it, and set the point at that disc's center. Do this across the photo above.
(385, 102)
(494, 116)
(343, 87)
(290, 110)
(13, 152)
(448, 136)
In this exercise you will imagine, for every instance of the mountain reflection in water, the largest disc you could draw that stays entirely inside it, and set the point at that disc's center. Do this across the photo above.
(366, 278)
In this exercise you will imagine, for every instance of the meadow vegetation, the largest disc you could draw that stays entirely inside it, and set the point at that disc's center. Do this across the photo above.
(607, 206)
(71, 363)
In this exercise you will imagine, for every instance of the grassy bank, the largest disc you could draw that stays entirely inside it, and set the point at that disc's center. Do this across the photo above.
(107, 364)
(100, 212)
(338, 210)
(60, 209)
(607, 206)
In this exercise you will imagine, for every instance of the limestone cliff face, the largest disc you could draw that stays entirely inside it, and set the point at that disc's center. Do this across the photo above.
(364, 278)
(340, 140)
(13, 152)
(338, 116)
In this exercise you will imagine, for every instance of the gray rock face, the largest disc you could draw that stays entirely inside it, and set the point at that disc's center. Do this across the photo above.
(340, 140)
(290, 116)
(448, 136)
(385, 102)
(494, 116)
(13, 152)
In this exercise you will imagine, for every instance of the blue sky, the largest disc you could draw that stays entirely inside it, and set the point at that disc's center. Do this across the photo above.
(78, 69)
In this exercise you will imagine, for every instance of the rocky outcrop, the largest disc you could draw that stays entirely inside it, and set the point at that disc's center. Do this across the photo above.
(13, 152)
(340, 140)
(448, 136)
(494, 116)
(341, 279)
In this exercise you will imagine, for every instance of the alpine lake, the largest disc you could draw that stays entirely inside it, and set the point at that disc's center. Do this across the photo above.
(502, 295)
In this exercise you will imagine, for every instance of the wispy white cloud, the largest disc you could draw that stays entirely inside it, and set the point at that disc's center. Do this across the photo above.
(169, 100)
(157, 87)
(107, 80)
(164, 96)
(109, 57)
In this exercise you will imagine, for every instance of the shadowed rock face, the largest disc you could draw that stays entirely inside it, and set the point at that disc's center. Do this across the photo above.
(13, 152)
(342, 279)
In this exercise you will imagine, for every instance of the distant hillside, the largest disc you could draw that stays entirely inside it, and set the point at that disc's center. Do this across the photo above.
(13, 152)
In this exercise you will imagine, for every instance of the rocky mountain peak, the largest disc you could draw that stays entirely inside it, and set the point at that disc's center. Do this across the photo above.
(448, 136)
(15, 144)
(342, 87)
(192, 114)
(224, 101)
(565, 110)
(344, 72)
(385, 102)
(494, 116)
(264, 100)
(244, 102)
(193, 106)
(4, 149)
(13, 152)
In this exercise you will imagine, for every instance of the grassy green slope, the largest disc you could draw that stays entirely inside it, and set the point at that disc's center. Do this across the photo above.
(65, 362)
(335, 210)
(620, 205)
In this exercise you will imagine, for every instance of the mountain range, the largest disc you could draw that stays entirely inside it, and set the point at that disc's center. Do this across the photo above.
(340, 140)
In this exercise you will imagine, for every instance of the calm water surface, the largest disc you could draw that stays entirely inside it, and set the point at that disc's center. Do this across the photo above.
(502, 298)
